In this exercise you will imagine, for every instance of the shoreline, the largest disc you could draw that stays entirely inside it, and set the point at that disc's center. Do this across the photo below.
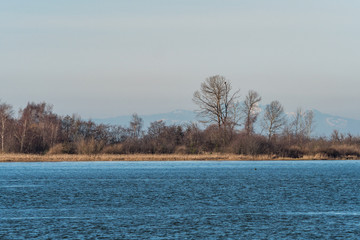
(157, 157)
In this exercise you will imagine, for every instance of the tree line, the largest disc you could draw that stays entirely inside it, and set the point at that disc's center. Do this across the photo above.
(219, 106)
(229, 128)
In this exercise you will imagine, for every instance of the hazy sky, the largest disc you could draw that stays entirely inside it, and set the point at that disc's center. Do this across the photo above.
(115, 57)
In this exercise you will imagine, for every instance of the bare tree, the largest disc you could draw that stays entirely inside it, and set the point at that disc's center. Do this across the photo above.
(336, 136)
(309, 123)
(22, 127)
(250, 111)
(70, 128)
(216, 102)
(274, 118)
(6, 113)
(193, 137)
(156, 128)
(136, 125)
(37, 128)
(303, 123)
(297, 123)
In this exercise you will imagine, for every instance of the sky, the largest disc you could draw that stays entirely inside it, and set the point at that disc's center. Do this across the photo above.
(108, 58)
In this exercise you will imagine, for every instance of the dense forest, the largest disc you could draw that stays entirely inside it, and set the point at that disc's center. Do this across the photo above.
(229, 129)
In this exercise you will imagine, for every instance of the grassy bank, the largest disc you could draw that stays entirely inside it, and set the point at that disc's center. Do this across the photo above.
(152, 157)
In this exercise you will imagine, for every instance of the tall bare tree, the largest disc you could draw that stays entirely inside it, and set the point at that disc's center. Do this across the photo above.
(303, 123)
(216, 102)
(23, 127)
(274, 118)
(249, 109)
(309, 123)
(136, 125)
(6, 113)
(297, 123)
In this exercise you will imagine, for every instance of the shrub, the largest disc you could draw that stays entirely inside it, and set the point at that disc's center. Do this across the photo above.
(113, 149)
(342, 150)
(180, 149)
(90, 146)
(294, 152)
(250, 145)
(62, 148)
(56, 149)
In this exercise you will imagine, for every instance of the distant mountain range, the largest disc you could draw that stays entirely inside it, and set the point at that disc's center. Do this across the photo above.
(324, 124)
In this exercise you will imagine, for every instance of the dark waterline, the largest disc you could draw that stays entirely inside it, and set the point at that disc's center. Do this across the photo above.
(180, 200)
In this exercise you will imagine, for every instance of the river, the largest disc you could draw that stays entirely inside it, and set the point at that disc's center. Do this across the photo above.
(180, 200)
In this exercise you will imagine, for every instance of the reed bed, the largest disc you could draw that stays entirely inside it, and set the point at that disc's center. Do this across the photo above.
(152, 157)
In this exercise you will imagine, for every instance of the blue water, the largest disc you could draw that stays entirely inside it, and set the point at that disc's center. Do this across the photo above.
(180, 200)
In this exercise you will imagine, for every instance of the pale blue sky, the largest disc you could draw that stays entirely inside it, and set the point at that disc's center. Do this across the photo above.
(109, 58)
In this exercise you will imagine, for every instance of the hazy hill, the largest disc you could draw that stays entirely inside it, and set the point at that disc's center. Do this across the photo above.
(325, 124)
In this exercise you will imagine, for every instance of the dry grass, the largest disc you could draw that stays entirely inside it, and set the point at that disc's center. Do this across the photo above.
(117, 157)
(150, 157)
